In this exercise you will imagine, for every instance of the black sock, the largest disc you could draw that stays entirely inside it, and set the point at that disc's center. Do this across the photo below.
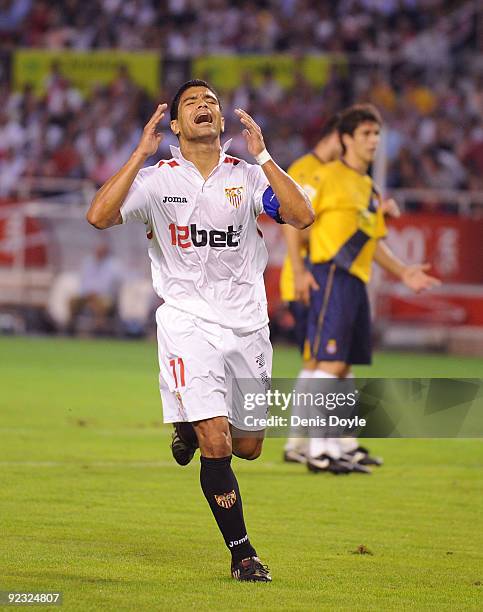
(220, 487)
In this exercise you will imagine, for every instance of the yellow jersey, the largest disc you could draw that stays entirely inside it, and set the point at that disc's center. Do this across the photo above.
(305, 172)
(348, 219)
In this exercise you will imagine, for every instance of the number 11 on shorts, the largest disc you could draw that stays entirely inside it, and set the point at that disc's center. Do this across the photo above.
(177, 364)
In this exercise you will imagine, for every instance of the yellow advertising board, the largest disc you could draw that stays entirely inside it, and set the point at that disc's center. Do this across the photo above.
(226, 72)
(85, 69)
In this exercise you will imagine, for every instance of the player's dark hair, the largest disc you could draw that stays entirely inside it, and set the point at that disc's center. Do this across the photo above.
(193, 83)
(351, 118)
(330, 126)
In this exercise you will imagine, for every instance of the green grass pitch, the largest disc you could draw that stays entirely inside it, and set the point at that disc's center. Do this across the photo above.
(92, 504)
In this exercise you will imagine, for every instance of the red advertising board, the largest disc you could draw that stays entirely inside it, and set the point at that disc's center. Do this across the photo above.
(22, 238)
(453, 245)
(454, 248)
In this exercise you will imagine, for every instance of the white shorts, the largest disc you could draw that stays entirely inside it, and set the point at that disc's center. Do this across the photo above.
(205, 369)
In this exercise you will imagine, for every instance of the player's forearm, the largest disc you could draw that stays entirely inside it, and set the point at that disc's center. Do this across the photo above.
(104, 210)
(387, 260)
(295, 240)
(295, 206)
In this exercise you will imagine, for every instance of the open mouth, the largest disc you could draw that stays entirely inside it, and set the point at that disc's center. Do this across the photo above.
(203, 118)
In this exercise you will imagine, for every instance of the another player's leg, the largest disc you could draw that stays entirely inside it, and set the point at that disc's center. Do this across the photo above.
(222, 493)
(296, 448)
(360, 353)
(351, 449)
(333, 312)
(343, 454)
(325, 452)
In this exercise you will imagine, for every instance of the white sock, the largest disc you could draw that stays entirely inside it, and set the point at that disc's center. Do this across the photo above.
(327, 446)
(347, 445)
(295, 442)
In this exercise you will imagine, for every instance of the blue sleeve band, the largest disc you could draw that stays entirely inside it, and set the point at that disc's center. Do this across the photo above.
(271, 205)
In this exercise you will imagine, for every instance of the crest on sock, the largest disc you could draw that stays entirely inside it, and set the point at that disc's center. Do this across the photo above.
(226, 500)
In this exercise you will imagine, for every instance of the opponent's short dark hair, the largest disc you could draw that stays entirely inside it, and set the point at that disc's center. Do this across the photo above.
(193, 83)
(351, 118)
(330, 126)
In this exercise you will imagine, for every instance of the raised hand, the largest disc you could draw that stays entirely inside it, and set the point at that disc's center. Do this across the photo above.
(416, 278)
(149, 143)
(252, 133)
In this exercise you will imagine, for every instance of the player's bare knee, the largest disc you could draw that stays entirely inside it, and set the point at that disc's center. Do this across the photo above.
(248, 448)
(255, 453)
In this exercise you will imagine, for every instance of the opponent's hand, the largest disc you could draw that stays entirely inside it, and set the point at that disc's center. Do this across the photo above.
(303, 283)
(149, 143)
(252, 133)
(390, 208)
(416, 278)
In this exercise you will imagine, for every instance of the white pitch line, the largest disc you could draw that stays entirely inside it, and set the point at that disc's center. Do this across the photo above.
(136, 464)
(112, 464)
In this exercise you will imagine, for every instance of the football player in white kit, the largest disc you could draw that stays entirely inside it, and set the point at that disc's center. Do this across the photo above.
(207, 254)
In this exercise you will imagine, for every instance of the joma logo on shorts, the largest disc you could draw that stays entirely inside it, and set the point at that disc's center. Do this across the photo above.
(186, 236)
(175, 200)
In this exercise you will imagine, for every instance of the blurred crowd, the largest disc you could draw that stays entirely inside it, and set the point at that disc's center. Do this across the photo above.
(433, 113)
(434, 129)
(434, 136)
(181, 28)
(65, 135)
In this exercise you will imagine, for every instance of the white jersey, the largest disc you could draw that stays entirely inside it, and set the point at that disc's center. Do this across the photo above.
(207, 252)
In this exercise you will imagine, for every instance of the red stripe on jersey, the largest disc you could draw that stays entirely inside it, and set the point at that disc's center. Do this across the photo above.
(231, 160)
(171, 163)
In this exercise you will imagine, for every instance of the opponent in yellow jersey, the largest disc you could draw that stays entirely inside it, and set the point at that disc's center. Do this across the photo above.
(349, 220)
(344, 240)
(306, 172)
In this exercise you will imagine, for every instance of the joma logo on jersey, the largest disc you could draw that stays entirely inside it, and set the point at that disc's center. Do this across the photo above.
(185, 236)
(174, 200)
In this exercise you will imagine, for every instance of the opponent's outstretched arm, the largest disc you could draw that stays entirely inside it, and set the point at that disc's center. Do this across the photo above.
(295, 206)
(413, 276)
(104, 210)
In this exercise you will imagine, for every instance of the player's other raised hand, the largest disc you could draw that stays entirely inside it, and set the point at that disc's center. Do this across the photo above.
(252, 132)
(151, 138)
(415, 278)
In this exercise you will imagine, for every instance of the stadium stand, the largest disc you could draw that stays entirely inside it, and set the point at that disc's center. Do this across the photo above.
(418, 61)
